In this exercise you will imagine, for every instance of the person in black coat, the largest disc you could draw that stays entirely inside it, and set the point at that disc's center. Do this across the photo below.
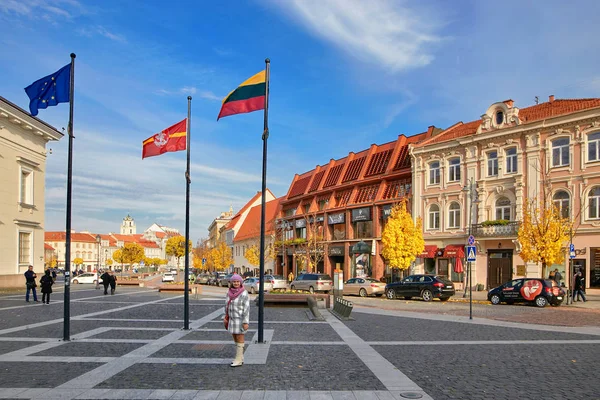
(113, 283)
(30, 283)
(578, 287)
(105, 281)
(46, 283)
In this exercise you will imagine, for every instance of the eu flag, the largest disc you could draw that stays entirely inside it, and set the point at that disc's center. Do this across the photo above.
(50, 90)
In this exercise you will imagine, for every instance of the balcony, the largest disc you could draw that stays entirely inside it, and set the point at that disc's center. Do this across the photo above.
(495, 229)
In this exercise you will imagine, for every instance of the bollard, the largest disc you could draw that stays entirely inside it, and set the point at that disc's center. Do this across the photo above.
(342, 308)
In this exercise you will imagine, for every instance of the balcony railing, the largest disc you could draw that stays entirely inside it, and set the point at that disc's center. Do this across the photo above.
(507, 230)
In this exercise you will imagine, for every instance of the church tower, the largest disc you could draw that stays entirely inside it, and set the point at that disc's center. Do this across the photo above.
(128, 226)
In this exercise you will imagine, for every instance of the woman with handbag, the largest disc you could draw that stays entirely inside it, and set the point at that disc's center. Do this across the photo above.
(237, 316)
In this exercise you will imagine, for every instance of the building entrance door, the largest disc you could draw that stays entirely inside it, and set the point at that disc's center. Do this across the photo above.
(499, 267)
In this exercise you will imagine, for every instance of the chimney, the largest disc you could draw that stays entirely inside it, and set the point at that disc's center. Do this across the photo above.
(551, 98)
(509, 103)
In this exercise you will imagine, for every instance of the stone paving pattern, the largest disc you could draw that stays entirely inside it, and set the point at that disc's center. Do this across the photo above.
(303, 360)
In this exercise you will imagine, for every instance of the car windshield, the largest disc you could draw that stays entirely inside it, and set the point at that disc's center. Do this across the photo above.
(277, 276)
(324, 278)
(371, 280)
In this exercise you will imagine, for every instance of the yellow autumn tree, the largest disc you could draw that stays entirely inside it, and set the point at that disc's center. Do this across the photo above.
(221, 257)
(78, 261)
(543, 233)
(176, 248)
(402, 238)
(252, 255)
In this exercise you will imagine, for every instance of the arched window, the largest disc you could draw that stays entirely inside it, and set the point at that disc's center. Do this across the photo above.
(594, 203)
(561, 200)
(434, 173)
(434, 217)
(499, 117)
(454, 215)
(503, 209)
(593, 140)
(454, 170)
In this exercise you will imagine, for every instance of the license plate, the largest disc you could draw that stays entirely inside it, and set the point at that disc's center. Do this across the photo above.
(450, 286)
(559, 298)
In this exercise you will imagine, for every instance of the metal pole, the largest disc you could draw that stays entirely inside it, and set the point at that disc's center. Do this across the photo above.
(67, 294)
(265, 136)
(186, 295)
(98, 268)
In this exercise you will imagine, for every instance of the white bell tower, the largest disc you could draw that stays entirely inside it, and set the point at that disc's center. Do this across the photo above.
(128, 226)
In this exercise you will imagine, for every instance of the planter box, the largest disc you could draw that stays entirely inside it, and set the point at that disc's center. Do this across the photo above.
(294, 298)
(129, 282)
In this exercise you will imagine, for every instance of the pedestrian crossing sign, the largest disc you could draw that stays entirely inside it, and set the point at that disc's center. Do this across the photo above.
(471, 253)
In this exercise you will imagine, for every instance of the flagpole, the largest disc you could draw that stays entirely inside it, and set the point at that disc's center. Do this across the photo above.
(186, 295)
(67, 294)
(265, 136)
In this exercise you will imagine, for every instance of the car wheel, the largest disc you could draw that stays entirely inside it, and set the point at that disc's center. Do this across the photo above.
(362, 293)
(292, 287)
(444, 298)
(76, 281)
(391, 294)
(252, 290)
(311, 290)
(541, 301)
(427, 295)
(495, 299)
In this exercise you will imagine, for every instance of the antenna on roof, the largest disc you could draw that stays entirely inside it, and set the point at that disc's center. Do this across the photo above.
(537, 100)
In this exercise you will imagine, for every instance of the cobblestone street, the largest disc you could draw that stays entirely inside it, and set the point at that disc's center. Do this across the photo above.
(131, 346)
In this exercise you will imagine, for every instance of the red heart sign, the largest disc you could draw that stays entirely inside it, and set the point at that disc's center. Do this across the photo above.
(531, 289)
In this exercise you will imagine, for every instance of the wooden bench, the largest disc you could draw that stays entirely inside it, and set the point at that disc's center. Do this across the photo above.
(295, 298)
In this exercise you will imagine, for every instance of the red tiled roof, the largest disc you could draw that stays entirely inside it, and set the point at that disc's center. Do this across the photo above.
(48, 247)
(160, 235)
(379, 162)
(334, 175)
(75, 237)
(300, 186)
(366, 193)
(317, 181)
(251, 226)
(530, 114)
(353, 171)
(342, 198)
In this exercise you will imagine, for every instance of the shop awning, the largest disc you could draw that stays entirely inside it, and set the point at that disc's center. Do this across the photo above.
(429, 251)
(454, 251)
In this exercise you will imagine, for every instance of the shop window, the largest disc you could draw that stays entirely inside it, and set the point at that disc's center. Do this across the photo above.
(339, 231)
(363, 229)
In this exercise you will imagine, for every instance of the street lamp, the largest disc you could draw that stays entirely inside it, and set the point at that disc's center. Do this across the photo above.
(99, 241)
(472, 193)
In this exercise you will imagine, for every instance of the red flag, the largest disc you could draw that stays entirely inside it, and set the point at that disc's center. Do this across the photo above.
(174, 138)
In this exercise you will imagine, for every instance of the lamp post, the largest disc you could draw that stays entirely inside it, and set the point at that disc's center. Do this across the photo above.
(99, 241)
(469, 189)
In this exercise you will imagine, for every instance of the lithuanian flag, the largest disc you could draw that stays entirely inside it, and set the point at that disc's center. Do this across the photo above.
(248, 97)
(171, 139)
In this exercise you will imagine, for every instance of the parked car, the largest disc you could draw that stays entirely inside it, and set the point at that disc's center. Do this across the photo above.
(224, 280)
(424, 286)
(87, 277)
(215, 278)
(252, 285)
(312, 283)
(168, 277)
(364, 287)
(538, 291)
(276, 281)
(203, 278)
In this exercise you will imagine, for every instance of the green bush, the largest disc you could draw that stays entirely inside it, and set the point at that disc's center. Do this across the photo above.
(495, 222)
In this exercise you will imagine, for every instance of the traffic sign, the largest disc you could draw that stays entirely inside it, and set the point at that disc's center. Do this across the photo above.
(142, 263)
(471, 240)
(203, 261)
(471, 253)
(572, 251)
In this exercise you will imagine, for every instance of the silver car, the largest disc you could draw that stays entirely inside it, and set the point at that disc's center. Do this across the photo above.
(252, 285)
(312, 283)
(276, 281)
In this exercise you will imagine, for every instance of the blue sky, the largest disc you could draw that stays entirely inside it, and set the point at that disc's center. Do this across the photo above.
(344, 74)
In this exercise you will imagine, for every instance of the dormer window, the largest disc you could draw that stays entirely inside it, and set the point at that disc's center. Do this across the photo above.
(499, 118)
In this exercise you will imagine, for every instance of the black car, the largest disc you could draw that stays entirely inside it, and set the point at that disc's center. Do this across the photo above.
(424, 286)
(539, 291)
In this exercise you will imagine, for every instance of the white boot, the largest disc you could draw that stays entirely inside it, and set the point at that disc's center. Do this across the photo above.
(239, 355)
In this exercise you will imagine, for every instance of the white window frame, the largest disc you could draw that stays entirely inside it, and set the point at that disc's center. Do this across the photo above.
(511, 161)
(593, 204)
(27, 197)
(434, 173)
(24, 264)
(561, 150)
(454, 216)
(596, 143)
(433, 217)
(492, 163)
(503, 209)
(560, 203)
(454, 169)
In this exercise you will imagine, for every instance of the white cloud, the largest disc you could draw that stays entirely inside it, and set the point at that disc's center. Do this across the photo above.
(39, 8)
(382, 32)
(102, 31)
(188, 90)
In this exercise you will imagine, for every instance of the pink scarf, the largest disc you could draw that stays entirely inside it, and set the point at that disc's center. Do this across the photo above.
(233, 293)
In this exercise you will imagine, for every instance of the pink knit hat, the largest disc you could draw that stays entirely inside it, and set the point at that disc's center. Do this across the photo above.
(236, 277)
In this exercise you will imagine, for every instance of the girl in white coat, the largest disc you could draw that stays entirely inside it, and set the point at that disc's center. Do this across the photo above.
(237, 316)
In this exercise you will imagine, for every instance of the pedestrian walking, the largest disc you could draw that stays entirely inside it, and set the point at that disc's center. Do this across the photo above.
(290, 277)
(30, 283)
(557, 276)
(113, 282)
(237, 316)
(551, 275)
(578, 287)
(46, 283)
(105, 281)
